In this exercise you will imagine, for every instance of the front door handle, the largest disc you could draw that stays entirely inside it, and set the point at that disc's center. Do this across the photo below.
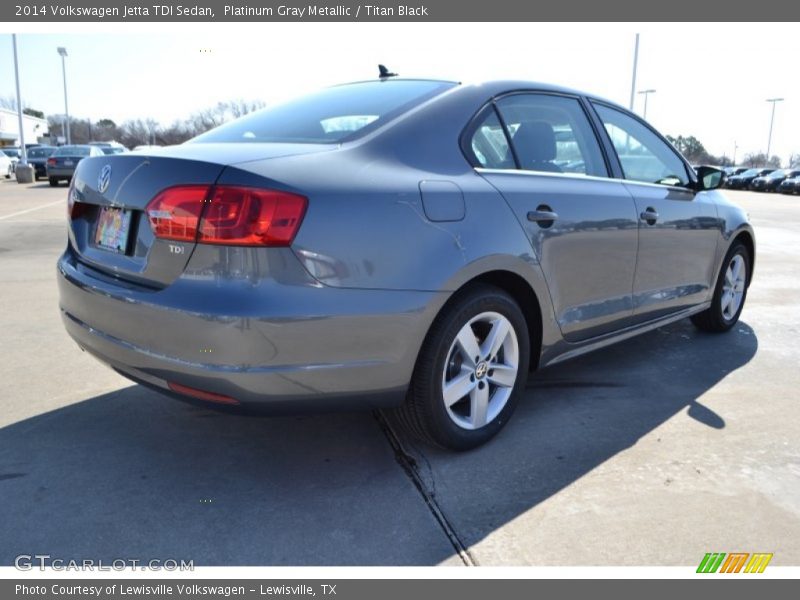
(543, 216)
(649, 215)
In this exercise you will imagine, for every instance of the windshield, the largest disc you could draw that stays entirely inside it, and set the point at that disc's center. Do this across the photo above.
(73, 151)
(776, 174)
(750, 172)
(13, 153)
(328, 116)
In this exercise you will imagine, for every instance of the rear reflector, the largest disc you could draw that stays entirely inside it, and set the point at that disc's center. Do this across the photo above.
(51, 162)
(227, 215)
(201, 394)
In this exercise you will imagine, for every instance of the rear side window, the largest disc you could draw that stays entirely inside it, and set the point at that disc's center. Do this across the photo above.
(552, 134)
(329, 116)
(643, 155)
(490, 145)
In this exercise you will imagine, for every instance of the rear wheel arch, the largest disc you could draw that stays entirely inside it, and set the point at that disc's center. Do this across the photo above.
(524, 295)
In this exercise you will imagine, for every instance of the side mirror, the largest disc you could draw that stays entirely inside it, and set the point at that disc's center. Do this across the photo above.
(709, 178)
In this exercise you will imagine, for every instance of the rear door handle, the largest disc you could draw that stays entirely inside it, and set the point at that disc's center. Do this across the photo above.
(543, 216)
(649, 215)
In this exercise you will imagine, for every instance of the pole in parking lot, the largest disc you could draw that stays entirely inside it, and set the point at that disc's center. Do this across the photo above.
(23, 172)
(24, 157)
(771, 122)
(646, 94)
(63, 53)
(635, 64)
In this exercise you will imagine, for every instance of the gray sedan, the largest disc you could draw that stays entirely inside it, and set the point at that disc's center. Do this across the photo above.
(62, 163)
(407, 245)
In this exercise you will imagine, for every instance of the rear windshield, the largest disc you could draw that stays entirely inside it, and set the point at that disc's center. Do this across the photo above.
(39, 152)
(73, 151)
(328, 116)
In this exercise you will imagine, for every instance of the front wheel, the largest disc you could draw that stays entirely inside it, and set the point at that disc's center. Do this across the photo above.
(729, 293)
(470, 372)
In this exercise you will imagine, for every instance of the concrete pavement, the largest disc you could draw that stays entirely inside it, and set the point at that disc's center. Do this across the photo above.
(652, 452)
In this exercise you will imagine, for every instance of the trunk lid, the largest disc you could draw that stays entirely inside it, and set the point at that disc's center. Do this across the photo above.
(115, 190)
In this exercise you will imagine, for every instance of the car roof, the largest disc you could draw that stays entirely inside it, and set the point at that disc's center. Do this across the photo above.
(500, 86)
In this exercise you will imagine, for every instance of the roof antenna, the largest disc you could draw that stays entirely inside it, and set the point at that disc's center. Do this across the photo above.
(384, 73)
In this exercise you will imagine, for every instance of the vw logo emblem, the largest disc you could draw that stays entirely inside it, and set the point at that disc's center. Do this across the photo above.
(104, 179)
(481, 370)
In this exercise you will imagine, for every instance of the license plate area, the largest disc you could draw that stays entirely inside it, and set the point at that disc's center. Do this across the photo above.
(113, 229)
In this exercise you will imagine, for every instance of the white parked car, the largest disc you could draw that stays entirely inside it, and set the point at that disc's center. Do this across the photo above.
(6, 166)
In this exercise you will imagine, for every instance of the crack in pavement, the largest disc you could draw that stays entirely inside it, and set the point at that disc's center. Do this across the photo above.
(410, 466)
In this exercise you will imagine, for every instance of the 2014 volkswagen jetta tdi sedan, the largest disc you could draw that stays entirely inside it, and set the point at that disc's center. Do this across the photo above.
(396, 243)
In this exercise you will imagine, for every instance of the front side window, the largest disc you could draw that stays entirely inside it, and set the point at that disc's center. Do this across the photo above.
(643, 155)
(552, 134)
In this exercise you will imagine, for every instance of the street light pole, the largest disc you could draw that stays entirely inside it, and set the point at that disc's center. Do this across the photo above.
(771, 122)
(24, 157)
(63, 53)
(635, 64)
(23, 172)
(646, 94)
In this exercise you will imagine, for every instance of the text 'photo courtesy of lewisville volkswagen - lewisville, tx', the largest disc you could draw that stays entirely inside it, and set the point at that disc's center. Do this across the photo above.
(333, 287)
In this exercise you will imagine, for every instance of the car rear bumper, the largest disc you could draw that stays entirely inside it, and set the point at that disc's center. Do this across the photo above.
(60, 171)
(277, 346)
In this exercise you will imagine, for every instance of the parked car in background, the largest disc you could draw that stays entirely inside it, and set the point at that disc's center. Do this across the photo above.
(111, 150)
(37, 158)
(771, 182)
(401, 243)
(6, 166)
(110, 147)
(731, 171)
(790, 186)
(13, 153)
(744, 180)
(62, 163)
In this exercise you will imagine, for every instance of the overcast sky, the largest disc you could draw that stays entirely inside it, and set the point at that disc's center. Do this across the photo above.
(711, 79)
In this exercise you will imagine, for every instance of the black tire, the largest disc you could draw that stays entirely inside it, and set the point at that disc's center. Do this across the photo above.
(53, 181)
(713, 319)
(424, 413)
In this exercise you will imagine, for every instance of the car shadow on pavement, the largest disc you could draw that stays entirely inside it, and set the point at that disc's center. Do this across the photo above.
(576, 415)
(134, 475)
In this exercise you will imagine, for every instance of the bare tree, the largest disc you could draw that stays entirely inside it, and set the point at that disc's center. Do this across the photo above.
(760, 160)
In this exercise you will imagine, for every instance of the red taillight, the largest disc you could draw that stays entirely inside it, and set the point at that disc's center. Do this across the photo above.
(51, 162)
(75, 209)
(201, 394)
(174, 213)
(245, 216)
(229, 215)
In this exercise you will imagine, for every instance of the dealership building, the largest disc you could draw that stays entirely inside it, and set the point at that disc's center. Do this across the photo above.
(35, 129)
